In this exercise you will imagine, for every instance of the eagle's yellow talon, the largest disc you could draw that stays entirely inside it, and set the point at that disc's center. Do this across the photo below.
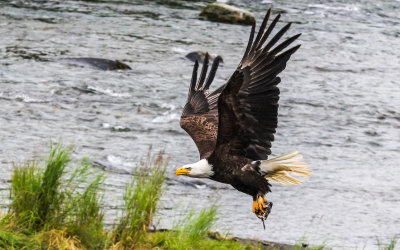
(261, 205)
(255, 206)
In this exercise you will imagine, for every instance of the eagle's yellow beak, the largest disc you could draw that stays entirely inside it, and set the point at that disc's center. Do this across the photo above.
(182, 171)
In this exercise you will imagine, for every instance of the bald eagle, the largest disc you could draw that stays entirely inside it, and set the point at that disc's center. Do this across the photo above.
(234, 125)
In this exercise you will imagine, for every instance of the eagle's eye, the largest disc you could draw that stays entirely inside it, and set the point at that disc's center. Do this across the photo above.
(189, 168)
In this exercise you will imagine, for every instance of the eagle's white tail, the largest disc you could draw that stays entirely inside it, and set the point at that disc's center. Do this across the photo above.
(278, 169)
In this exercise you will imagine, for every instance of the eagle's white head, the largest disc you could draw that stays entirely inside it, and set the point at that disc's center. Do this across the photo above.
(200, 169)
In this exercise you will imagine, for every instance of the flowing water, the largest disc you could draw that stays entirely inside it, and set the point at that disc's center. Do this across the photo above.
(339, 106)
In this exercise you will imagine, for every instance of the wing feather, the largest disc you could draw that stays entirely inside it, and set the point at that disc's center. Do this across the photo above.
(200, 115)
(248, 103)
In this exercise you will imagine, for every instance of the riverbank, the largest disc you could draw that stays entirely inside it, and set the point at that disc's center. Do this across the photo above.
(59, 205)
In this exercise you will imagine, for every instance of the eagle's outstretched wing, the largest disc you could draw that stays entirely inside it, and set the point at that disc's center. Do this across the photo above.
(200, 114)
(248, 104)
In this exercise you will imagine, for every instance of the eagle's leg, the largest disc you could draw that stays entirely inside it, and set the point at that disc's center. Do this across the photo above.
(259, 205)
(261, 208)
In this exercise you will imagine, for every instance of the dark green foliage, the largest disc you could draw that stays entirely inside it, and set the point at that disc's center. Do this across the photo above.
(141, 198)
(52, 208)
(9, 240)
(50, 196)
(35, 193)
(86, 216)
(43, 200)
(192, 229)
(192, 233)
(24, 194)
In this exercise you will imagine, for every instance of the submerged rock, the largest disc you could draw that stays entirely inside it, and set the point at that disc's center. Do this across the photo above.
(108, 166)
(199, 56)
(219, 12)
(98, 63)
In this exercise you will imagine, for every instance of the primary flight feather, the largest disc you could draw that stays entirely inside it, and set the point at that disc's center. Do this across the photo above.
(234, 125)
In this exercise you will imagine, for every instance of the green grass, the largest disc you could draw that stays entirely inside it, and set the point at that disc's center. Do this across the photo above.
(46, 204)
(24, 193)
(390, 246)
(50, 197)
(35, 193)
(11, 240)
(392, 243)
(191, 233)
(192, 229)
(163, 240)
(141, 198)
(58, 205)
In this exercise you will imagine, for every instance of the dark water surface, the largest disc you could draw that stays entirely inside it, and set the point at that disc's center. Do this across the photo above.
(340, 105)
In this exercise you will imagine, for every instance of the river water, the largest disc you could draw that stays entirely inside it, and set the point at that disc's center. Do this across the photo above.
(339, 106)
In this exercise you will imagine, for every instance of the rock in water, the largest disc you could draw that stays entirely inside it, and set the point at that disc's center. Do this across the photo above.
(199, 56)
(98, 63)
(220, 12)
